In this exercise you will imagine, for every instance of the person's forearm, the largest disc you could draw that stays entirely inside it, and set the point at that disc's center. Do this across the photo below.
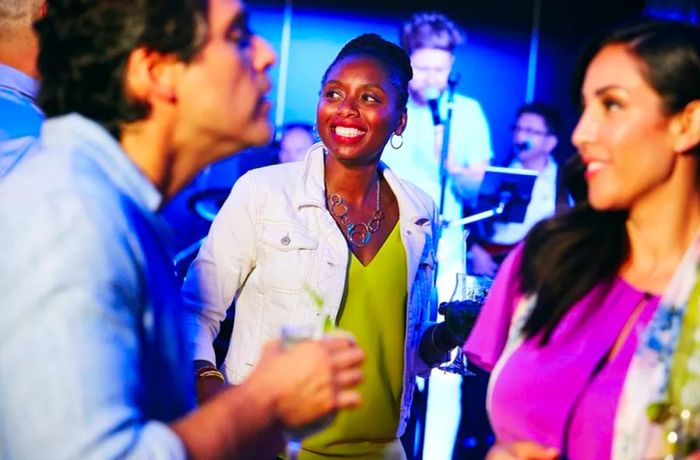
(238, 423)
(209, 381)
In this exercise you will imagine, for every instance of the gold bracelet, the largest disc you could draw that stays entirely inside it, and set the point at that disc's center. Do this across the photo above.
(209, 372)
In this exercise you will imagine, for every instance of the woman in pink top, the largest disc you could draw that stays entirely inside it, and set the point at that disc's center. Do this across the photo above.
(586, 323)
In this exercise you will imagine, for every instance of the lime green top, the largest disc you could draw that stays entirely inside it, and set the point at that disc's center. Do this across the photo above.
(374, 310)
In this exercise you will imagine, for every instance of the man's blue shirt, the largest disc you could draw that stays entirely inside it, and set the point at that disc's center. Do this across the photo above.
(93, 362)
(20, 117)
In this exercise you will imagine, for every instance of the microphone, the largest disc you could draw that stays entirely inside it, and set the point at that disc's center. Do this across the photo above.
(521, 146)
(453, 79)
(431, 96)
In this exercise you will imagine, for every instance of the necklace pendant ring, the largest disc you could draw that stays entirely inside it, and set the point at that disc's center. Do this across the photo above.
(358, 234)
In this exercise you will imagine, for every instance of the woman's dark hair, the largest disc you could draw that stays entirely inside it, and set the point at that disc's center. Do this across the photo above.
(85, 45)
(566, 256)
(395, 61)
(430, 30)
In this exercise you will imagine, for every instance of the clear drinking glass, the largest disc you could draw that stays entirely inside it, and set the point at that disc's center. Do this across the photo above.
(290, 336)
(468, 295)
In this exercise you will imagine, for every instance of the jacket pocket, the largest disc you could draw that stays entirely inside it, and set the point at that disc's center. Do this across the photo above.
(427, 260)
(427, 264)
(286, 254)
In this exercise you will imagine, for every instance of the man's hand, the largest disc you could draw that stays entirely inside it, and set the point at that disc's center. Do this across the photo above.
(482, 262)
(287, 389)
(522, 450)
(309, 381)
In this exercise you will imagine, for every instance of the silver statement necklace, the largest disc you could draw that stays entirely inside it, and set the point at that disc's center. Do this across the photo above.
(358, 234)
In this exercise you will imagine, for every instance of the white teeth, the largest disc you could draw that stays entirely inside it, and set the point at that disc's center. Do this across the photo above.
(595, 166)
(347, 132)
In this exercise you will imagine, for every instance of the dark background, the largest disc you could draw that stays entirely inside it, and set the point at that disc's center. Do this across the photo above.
(493, 64)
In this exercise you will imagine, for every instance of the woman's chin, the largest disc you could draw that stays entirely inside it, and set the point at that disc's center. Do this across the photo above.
(605, 203)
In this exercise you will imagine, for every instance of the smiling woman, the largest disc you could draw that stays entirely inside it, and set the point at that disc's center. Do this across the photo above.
(605, 296)
(340, 225)
(362, 105)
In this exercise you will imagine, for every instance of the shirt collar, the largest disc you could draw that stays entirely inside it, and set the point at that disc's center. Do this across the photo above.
(18, 81)
(87, 138)
(313, 189)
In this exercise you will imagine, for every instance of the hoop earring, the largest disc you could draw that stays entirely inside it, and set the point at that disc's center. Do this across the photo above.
(391, 141)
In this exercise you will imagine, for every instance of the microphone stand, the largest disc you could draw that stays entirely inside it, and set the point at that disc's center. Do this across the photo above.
(420, 405)
(451, 83)
(497, 211)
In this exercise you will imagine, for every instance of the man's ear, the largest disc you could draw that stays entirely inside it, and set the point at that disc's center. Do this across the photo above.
(686, 126)
(152, 76)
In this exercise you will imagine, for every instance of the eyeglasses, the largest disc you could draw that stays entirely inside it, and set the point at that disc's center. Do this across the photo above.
(528, 131)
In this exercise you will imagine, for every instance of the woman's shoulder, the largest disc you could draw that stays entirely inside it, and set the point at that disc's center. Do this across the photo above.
(273, 178)
(280, 171)
(291, 174)
(411, 190)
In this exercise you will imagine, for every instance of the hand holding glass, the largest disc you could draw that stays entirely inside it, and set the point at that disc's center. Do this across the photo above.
(292, 335)
(460, 315)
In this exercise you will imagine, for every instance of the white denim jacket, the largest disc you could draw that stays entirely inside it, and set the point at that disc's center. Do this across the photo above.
(273, 240)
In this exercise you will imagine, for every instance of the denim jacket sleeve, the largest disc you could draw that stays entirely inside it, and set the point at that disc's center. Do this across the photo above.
(427, 308)
(225, 260)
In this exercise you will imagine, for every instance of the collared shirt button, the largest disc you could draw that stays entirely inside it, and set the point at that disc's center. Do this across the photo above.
(285, 240)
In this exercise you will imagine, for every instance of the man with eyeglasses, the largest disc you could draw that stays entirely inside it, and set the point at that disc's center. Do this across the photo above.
(535, 136)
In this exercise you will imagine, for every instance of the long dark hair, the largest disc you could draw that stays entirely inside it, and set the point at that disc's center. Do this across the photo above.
(566, 256)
